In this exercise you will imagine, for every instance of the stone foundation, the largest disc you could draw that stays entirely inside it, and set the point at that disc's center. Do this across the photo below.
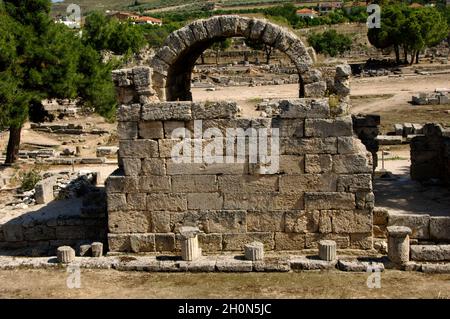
(321, 190)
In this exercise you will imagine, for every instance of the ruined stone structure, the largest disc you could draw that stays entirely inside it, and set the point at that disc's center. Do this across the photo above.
(322, 188)
(430, 154)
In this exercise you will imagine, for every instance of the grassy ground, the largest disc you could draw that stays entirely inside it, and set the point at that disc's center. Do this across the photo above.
(113, 284)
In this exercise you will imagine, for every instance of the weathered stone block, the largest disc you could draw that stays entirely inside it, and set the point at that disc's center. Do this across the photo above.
(171, 126)
(214, 110)
(116, 202)
(307, 182)
(292, 164)
(121, 184)
(180, 111)
(210, 242)
(153, 183)
(153, 166)
(287, 201)
(13, 232)
(289, 241)
(301, 221)
(316, 164)
(316, 89)
(430, 252)
(354, 183)
(119, 242)
(167, 202)
(211, 201)
(129, 222)
(247, 184)
(131, 166)
(206, 169)
(194, 183)
(151, 129)
(352, 164)
(247, 201)
(265, 221)
(136, 201)
(139, 148)
(341, 126)
(160, 222)
(44, 190)
(440, 228)
(140, 243)
(304, 108)
(419, 224)
(231, 264)
(130, 113)
(292, 128)
(329, 200)
(127, 130)
(308, 146)
(312, 239)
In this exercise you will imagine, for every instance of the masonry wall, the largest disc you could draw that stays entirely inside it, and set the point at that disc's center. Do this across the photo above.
(430, 154)
(322, 189)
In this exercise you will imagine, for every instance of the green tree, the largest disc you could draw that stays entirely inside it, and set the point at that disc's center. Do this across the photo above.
(40, 59)
(330, 42)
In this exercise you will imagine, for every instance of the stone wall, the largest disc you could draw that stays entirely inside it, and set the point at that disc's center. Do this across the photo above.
(366, 127)
(430, 155)
(321, 190)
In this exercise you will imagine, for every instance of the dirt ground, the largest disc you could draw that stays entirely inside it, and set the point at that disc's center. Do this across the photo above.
(113, 284)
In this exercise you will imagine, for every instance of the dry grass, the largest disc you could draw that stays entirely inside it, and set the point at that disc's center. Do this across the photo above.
(114, 284)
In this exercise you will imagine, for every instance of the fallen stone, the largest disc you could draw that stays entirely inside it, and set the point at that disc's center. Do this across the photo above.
(231, 264)
(359, 266)
(304, 263)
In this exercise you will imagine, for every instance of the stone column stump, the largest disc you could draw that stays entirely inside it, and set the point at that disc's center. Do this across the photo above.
(65, 254)
(97, 249)
(327, 250)
(398, 244)
(254, 251)
(190, 250)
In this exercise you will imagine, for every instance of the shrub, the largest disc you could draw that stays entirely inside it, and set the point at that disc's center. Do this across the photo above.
(29, 179)
(330, 42)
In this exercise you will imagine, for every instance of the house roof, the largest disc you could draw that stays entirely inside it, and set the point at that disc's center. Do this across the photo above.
(306, 11)
(415, 5)
(146, 19)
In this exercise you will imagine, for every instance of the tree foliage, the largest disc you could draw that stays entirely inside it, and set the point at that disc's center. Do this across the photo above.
(330, 42)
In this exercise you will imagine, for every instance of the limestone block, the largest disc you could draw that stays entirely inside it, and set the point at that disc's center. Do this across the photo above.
(186, 35)
(258, 27)
(116, 202)
(292, 128)
(316, 89)
(142, 75)
(248, 201)
(347, 221)
(129, 113)
(292, 164)
(97, 249)
(304, 146)
(205, 201)
(167, 202)
(65, 255)
(327, 250)
(301, 221)
(289, 241)
(180, 111)
(142, 243)
(304, 108)
(329, 200)
(119, 242)
(170, 126)
(210, 242)
(236, 242)
(361, 241)
(350, 145)
(136, 201)
(151, 129)
(167, 54)
(85, 251)
(265, 221)
(194, 183)
(213, 27)
(380, 216)
(343, 71)
(307, 182)
(214, 110)
(120, 184)
(44, 190)
(440, 228)
(206, 169)
(153, 166)
(131, 166)
(129, 222)
(287, 201)
(160, 222)
(353, 164)
(159, 66)
(430, 252)
(305, 263)
(270, 33)
(221, 221)
(254, 251)
(247, 184)
(342, 240)
(153, 183)
(354, 183)
(312, 76)
(341, 126)
(139, 148)
(398, 129)
(418, 223)
(316, 164)
(231, 264)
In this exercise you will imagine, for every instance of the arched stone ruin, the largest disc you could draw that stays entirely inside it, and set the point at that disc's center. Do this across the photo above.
(322, 188)
(173, 63)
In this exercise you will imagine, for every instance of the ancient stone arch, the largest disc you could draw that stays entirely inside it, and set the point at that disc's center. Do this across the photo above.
(173, 63)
